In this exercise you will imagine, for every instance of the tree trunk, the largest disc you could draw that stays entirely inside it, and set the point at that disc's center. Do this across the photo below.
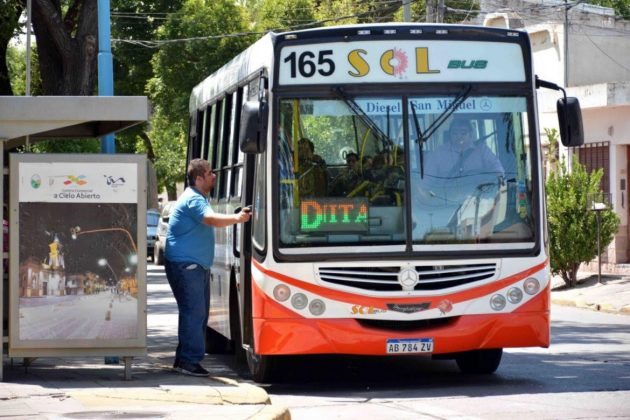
(5, 82)
(9, 21)
(68, 47)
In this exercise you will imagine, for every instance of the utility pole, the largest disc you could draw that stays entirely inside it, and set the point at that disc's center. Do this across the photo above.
(430, 9)
(105, 66)
(407, 10)
(566, 43)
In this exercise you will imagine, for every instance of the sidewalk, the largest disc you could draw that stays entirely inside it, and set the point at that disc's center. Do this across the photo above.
(53, 388)
(611, 295)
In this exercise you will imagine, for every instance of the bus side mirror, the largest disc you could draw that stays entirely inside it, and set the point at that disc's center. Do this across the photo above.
(570, 122)
(253, 129)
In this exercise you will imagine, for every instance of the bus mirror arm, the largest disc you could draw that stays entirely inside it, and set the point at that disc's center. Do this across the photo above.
(569, 115)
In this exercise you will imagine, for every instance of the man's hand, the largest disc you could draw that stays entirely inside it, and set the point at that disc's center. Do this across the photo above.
(244, 215)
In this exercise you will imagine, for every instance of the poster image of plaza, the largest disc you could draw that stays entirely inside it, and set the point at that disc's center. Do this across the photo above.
(77, 271)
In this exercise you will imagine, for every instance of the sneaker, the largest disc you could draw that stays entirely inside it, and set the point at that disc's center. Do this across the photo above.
(192, 369)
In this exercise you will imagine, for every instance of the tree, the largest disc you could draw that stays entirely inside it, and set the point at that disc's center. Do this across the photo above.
(283, 15)
(621, 7)
(572, 225)
(10, 12)
(134, 20)
(179, 66)
(67, 44)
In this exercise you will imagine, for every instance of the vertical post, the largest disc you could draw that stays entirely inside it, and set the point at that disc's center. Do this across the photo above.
(429, 9)
(29, 7)
(440, 11)
(566, 43)
(407, 10)
(105, 66)
(599, 248)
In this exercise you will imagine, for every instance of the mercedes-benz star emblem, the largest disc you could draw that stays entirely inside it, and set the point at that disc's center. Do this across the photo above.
(408, 278)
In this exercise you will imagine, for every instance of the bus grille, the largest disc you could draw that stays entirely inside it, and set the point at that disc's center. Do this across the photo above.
(385, 279)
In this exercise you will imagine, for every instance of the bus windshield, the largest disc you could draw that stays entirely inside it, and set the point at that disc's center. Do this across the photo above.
(349, 168)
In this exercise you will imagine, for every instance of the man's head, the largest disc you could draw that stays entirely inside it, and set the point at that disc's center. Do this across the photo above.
(352, 159)
(201, 176)
(461, 132)
(305, 148)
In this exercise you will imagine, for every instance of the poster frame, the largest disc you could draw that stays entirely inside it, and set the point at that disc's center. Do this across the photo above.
(133, 346)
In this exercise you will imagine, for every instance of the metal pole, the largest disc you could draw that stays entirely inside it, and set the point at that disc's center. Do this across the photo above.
(407, 10)
(105, 66)
(566, 43)
(599, 250)
(28, 60)
(429, 11)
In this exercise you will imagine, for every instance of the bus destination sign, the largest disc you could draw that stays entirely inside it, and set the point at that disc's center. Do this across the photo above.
(334, 215)
(401, 61)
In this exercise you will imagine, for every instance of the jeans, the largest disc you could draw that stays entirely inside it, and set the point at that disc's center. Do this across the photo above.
(191, 286)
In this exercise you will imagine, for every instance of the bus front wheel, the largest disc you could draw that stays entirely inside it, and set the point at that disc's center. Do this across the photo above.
(479, 361)
(261, 367)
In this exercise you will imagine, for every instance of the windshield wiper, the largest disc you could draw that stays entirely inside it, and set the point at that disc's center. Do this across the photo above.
(437, 123)
(384, 138)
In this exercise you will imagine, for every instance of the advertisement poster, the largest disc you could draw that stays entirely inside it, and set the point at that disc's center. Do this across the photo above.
(79, 259)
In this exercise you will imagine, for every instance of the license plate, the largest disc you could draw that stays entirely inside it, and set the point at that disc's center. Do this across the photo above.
(409, 345)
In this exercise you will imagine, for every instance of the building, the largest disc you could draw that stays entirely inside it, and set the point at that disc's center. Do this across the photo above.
(593, 63)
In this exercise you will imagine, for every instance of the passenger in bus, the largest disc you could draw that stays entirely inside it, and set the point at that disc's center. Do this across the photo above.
(461, 156)
(188, 256)
(313, 180)
(386, 180)
(348, 178)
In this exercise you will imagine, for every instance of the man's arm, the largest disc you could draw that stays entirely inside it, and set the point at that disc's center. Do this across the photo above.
(222, 220)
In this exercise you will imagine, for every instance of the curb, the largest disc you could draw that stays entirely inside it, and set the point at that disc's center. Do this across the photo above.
(583, 304)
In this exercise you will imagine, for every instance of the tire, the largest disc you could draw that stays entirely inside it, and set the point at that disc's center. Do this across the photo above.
(479, 361)
(262, 368)
(215, 342)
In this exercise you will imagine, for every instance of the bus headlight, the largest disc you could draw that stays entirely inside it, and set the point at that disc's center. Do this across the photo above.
(531, 286)
(299, 301)
(281, 292)
(497, 302)
(514, 295)
(317, 307)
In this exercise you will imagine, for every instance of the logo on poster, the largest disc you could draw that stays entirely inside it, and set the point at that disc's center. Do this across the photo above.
(114, 182)
(72, 179)
(36, 181)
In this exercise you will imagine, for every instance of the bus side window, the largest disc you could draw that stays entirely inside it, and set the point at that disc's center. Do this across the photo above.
(259, 227)
(213, 143)
(236, 156)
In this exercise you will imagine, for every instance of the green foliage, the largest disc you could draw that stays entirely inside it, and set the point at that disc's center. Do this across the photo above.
(282, 15)
(178, 67)
(16, 62)
(572, 223)
(621, 7)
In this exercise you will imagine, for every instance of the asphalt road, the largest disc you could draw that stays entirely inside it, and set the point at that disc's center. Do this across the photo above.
(584, 374)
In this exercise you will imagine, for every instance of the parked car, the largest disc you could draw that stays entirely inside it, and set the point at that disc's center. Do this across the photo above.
(153, 217)
(162, 228)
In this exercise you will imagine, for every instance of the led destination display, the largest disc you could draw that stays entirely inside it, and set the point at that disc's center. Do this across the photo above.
(334, 215)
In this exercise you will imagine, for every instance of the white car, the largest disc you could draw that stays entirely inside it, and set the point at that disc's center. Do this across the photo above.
(162, 228)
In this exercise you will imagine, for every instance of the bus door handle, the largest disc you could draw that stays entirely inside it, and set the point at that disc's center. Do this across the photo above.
(235, 251)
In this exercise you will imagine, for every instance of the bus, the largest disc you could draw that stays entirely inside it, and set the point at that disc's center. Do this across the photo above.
(375, 231)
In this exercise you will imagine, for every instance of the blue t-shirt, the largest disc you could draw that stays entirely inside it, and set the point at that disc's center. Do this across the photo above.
(188, 238)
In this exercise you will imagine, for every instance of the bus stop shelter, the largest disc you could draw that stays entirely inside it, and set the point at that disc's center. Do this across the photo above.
(29, 119)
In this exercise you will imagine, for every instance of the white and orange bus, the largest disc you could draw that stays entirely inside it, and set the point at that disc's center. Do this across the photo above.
(408, 251)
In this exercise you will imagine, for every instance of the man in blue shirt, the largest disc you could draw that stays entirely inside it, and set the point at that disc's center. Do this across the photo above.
(188, 257)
